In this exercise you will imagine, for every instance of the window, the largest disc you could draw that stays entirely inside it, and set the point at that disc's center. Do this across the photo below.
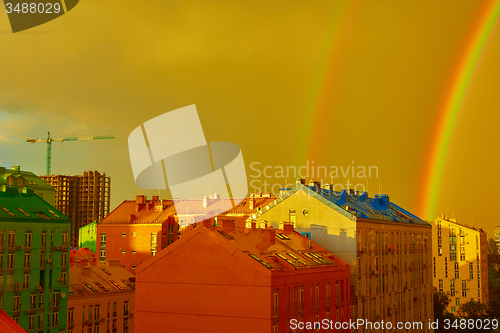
(134, 234)
(40, 301)
(27, 260)
(115, 314)
(327, 294)
(301, 298)
(56, 299)
(65, 239)
(32, 301)
(102, 256)
(2, 240)
(52, 239)
(103, 237)
(124, 251)
(55, 319)
(64, 278)
(154, 243)
(27, 239)
(317, 295)
(12, 239)
(40, 322)
(97, 313)
(32, 322)
(275, 302)
(10, 261)
(291, 215)
(10, 282)
(17, 303)
(133, 251)
(64, 259)
(132, 267)
(124, 234)
(71, 313)
(91, 314)
(457, 301)
(44, 239)
(26, 284)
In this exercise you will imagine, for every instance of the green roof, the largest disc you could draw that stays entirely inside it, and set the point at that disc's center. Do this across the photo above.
(30, 179)
(26, 206)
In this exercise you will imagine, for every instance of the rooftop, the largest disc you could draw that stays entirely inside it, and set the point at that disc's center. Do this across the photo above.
(24, 204)
(155, 210)
(281, 249)
(8, 325)
(99, 279)
(22, 178)
(353, 204)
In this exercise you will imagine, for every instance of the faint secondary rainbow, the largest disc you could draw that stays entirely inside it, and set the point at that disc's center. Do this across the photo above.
(452, 104)
(312, 134)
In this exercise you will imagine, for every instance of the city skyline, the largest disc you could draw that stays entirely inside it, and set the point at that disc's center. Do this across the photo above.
(334, 83)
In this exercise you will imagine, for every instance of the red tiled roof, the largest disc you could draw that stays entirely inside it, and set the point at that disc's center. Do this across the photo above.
(127, 212)
(289, 252)
(8, 325)
(83, 255)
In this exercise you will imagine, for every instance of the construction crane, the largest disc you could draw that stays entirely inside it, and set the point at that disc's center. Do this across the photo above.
(49, 141)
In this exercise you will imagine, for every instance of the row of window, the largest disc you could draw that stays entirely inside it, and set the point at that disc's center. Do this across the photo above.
(28, 238)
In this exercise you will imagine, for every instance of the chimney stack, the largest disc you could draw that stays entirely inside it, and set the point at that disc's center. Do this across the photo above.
(270, 235)
(139, 202)
(227, 225)
(315, 185)
(286, 226)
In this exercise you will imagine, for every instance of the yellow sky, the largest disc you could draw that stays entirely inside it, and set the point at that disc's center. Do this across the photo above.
(253, 68)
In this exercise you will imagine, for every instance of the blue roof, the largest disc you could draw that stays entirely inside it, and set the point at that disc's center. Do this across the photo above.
(359, 205)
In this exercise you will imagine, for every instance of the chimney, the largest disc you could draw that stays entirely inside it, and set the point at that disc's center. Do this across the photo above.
(132, 217)
(86, 271)
(227, 225)
(364, 195)
(315, 185)
(383, 200)
(329, 188)
(352, 192)
(252, 202)
(270, 235)
(206, 201)
(343, 195)
(207, 223)
(300, 181)
(286, 226)
(16, 169)
(139, 202)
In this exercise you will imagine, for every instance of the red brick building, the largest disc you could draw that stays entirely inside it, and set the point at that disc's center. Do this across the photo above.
(136, 230)
(235, 279)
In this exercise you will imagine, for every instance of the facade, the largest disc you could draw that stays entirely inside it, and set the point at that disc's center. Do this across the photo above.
(87, 237)
(34, 248)
(388, 249)
(229, 278)
(137, 230)
(83, 198)
(460, 262)
(15, 177)
(101, 298)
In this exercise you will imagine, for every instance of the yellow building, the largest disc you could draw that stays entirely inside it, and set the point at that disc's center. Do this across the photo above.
(460, 262)
(388, 248)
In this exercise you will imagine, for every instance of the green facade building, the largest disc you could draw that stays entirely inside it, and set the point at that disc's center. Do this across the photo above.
(87, 237)
(34, 260)
(15, 177)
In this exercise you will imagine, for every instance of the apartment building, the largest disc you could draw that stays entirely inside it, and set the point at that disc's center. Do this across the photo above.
(101, 298)
(34, 248)
(83, 198)
(21, 179)
(229, 278)
(388, 249)
(460, 262)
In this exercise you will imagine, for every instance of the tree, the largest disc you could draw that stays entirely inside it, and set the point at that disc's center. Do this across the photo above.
(492, 246)
(472, 310)
(441, 302)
